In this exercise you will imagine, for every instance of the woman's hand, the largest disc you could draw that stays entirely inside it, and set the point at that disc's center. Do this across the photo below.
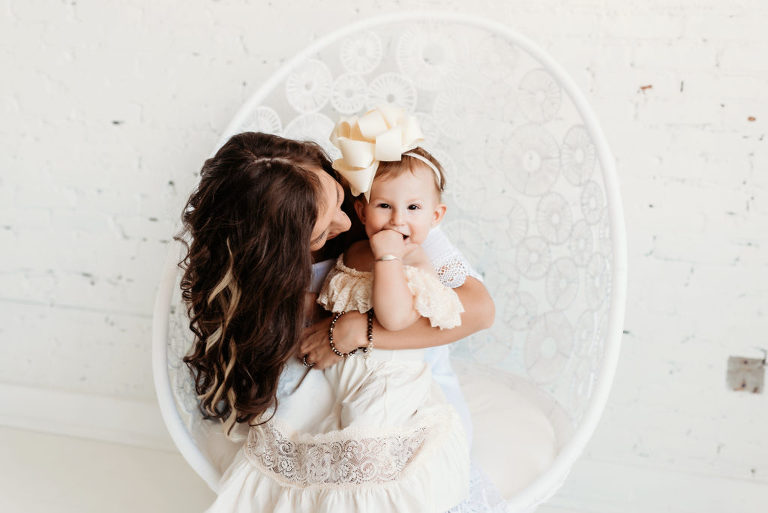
(349, 333)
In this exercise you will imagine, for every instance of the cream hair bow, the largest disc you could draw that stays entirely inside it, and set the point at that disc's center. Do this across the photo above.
(384, 133)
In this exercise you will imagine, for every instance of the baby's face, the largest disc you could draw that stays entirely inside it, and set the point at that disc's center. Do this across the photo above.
(407, 203)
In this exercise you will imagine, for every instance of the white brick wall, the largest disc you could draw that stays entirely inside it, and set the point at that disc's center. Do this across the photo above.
(107, 110)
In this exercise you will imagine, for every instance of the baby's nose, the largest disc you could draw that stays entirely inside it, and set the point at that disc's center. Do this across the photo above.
(396, 218)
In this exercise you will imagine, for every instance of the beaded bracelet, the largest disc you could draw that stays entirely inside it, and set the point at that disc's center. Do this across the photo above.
(364, 349)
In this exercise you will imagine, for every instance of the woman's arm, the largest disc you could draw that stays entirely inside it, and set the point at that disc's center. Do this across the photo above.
(350, 329)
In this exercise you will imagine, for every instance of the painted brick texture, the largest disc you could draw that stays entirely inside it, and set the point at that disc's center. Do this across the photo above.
(108, 109)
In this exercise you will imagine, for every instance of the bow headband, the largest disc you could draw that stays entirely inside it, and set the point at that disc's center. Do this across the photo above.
(385, 133)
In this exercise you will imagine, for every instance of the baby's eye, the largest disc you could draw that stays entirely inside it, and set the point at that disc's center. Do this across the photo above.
(383, 205)
(414, 207)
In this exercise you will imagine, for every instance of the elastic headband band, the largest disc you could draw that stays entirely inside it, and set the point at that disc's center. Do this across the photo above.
(431, 166)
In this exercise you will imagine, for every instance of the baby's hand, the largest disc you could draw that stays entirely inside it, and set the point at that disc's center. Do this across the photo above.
(387, 242)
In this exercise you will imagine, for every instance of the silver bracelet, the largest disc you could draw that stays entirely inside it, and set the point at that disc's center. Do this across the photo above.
(387, 258)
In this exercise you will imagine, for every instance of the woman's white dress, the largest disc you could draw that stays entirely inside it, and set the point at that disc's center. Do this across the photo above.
(371, 434)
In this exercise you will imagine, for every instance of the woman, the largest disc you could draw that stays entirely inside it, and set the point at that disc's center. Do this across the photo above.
(259, 220)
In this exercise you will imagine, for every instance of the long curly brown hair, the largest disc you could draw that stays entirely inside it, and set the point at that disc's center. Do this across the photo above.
(247, 228)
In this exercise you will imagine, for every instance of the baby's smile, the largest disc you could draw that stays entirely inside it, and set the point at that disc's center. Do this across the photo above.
(405, 235)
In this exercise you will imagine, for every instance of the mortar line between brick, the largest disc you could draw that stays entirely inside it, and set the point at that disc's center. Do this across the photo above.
(63, 306)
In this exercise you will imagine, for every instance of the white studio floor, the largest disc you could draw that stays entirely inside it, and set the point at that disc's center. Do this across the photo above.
(59, 474)
(50, 473)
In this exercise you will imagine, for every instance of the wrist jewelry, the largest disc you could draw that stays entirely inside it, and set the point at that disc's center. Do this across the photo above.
(364, 349)
(387, 258)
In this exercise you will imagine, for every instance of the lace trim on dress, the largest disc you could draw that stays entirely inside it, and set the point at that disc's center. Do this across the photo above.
(433, 300)
(347, 289)
(352, 461)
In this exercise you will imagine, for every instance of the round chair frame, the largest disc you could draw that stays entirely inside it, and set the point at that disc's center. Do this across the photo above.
(547, 483)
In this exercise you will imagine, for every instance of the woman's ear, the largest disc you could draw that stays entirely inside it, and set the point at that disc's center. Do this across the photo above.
(438, 214)
(360, 208)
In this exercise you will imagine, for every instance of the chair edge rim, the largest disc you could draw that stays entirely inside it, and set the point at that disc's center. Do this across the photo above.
(180, 435)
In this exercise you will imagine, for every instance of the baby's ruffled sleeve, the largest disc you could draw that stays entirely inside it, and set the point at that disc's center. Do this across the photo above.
(346, 289)
(433, 300)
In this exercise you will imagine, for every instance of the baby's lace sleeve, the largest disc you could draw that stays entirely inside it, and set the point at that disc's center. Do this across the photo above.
(451, 266)
(434, 300)
(346, 289)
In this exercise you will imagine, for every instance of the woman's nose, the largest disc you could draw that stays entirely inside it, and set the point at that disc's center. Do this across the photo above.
(343, 222)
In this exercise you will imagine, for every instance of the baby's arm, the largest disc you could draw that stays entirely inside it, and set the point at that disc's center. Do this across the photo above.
(391, 298)
(350, 330)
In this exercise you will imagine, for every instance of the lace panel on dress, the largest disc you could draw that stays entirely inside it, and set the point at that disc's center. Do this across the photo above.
(336, 462)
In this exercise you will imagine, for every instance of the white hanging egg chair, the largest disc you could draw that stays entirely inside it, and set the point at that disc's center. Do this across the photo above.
(533, 203)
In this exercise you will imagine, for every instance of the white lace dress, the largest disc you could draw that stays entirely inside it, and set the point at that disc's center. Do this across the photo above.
(371, 434)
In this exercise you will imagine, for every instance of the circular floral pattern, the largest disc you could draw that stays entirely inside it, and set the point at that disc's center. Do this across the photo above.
(463, 190)
(262, 119)
(430, 128)
(496, 58)
(583, 383)
(553, 218)
(498, 106)
(562, 283)
(453, 115)
(349, 93)
(313, 127)
(447, 162)
(485, 149)
(392, 88)
(533, 257)
(468, 236)
(598, 281)
(539, 96)
(491, 351)
(518, 221)
(519, 310)
(362, 53)
(601, 334)
(584, 333)
(503, 280)
(605, 242)
(581, 242)
(548, 346)
(308, 87)
(592, 202)
(578, 155)
(427, 56)
(180, 340)
(503, 130)
(532, 158)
